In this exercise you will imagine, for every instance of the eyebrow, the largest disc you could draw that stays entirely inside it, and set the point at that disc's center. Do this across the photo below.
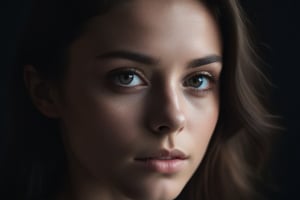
(148, 60)
(205, 61)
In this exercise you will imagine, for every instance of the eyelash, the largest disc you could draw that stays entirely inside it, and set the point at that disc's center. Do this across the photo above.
(115, 74)
(206, 75)
(115, 79)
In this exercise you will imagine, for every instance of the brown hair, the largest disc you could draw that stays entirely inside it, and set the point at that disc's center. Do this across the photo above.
(233, 165)
(240, 149)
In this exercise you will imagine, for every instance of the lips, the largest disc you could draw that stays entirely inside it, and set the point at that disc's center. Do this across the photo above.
(164, 155)
(164, 161)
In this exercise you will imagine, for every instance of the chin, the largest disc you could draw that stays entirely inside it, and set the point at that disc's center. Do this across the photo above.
(154, 195)
(156, 190)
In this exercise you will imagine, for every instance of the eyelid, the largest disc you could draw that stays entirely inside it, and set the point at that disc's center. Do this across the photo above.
(212, 77)
(134, 70)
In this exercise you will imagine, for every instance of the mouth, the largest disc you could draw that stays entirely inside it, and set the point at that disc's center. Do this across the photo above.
(164, 161)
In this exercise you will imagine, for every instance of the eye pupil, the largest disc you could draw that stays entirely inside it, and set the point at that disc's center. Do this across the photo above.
(196, 81)
(126, 78)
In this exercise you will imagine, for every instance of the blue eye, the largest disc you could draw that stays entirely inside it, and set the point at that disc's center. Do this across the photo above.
(127, 78)
(199, 82)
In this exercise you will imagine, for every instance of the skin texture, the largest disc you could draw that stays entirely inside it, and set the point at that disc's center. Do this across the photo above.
(107, 125)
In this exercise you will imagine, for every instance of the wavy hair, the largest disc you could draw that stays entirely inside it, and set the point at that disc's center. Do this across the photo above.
(233, 167)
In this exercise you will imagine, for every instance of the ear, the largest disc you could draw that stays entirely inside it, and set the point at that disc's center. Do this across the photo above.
(42, 92)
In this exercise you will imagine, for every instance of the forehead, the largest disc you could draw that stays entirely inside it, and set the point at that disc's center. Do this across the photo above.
(145, 12)
(155, 27)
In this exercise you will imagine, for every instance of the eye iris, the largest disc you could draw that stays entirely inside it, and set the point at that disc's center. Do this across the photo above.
(196, 81)
(126, 78)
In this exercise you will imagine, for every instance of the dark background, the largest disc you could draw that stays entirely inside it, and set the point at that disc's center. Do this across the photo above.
(276, 28)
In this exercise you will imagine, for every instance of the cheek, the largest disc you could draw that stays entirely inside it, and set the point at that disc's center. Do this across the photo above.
(98, 128)
(202, 122)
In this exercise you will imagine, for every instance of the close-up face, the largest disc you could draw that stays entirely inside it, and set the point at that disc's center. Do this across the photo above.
(141, 99)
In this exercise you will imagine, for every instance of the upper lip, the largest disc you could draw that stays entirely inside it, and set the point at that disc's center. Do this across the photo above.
(164, 154)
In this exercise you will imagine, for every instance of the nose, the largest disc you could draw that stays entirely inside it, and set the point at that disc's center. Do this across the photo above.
(166, 112)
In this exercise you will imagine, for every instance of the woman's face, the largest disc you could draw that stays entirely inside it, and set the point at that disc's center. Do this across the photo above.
(141, 99)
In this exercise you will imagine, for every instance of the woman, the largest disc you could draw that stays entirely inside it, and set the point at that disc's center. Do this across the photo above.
(139, 99)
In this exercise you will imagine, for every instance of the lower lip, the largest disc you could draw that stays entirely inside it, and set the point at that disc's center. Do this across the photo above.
(163, 166)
